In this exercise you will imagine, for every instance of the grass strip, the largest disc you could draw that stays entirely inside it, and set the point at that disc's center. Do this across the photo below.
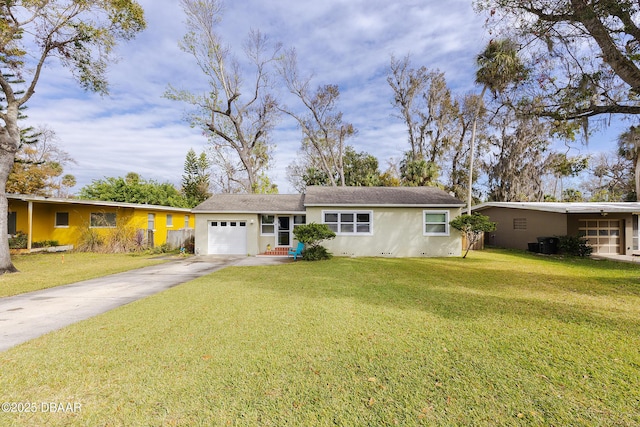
(47, 270)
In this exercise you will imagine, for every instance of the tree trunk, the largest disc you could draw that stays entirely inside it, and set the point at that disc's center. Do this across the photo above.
(637, 176)
(472, 149)
(6, 164)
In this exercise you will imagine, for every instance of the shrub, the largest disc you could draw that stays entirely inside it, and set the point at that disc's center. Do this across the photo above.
(316, 253)
(90, 240)
(311, 235)
(574, 246)
(161, 249)
(472, 227)
(119, 239)
(45, 244)
(189, 245)
(19, 241)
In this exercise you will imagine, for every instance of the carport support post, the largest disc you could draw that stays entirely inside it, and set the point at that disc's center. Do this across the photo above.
(29, 225)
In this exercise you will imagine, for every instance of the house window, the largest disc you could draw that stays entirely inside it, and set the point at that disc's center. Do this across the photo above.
(13, 221)
(103, 219)
(186, 221)
(62, 219)
(151, 221)
(299, 220)
(267, 225)
(436, 223)
(519, 223)
(169, 220)
(349, 222)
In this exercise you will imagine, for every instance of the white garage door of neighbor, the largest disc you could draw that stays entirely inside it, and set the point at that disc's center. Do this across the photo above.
(227, 238)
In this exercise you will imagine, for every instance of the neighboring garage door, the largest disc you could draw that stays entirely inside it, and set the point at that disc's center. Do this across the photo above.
(227, 238)
(603, 234)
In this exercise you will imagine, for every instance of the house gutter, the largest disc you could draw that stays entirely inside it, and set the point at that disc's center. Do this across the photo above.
(369, 205)
(267, 212)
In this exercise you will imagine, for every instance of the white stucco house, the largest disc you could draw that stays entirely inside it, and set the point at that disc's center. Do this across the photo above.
(368, 221)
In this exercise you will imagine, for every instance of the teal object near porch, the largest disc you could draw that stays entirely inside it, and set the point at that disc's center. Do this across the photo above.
(297, 251)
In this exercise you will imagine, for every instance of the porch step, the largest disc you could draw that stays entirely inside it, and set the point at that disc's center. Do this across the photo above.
(276, 252)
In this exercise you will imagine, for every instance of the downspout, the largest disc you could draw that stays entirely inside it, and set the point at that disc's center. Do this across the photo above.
(30, 226)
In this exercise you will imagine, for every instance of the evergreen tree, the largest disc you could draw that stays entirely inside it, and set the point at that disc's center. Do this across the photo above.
(196, 178)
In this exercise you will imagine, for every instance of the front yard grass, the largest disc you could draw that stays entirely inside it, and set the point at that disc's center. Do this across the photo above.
(46, 270)
(497, 339)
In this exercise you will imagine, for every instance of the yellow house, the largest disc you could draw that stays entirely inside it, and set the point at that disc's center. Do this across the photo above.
(65, 220)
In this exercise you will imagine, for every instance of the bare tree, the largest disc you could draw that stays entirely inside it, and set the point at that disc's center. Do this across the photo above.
(629, 148)
(324, 132)
(408, 84)
(237, 124)
(519, 158)
(457, 155)
(426, 106)
(82, 34)
(611, 178)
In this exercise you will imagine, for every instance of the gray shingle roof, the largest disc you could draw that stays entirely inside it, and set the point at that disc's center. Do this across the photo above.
(328, 196)
(379, 196)
(252, 203)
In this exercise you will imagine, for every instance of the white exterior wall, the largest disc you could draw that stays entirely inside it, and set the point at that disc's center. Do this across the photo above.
(202, 230)
(397, 232)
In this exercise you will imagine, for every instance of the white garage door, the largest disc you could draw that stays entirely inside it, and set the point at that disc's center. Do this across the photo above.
(227, 238)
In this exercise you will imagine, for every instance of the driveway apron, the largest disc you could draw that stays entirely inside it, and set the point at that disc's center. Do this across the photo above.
(27, 316)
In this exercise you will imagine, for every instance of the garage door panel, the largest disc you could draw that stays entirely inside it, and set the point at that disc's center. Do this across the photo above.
(603, 235)
(227, 238)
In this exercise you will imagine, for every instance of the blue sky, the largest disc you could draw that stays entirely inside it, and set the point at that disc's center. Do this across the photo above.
(343, 42)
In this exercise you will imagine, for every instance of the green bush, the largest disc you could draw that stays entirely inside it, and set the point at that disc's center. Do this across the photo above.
(19, 241)
(316, 253)
(574, 246)
(311, 235)
(45, 244)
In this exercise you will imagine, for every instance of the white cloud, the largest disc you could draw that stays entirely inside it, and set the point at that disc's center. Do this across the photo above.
(344, 42)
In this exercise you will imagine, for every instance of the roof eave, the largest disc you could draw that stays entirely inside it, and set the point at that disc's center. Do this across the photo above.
(237, 212)
(52, 200)
(379, 205)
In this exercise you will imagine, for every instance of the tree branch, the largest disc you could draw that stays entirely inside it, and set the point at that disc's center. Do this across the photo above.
(624, 67)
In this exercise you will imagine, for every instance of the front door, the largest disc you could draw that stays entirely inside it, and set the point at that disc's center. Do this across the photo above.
(284, 231)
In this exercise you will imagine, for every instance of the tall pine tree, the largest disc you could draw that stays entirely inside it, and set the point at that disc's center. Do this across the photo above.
(195, 180)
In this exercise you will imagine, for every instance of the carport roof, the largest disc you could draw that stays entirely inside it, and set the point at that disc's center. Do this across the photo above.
(565, 207)
(58, 200)
(252, 203)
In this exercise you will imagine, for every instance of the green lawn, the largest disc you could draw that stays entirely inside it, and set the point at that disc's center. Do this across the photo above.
(497, 339)
(46, 270)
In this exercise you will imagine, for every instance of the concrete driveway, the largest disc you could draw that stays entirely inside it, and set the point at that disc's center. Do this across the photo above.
(27, 316)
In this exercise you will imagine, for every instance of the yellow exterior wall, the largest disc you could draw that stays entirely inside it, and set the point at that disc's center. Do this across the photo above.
(44, 214)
